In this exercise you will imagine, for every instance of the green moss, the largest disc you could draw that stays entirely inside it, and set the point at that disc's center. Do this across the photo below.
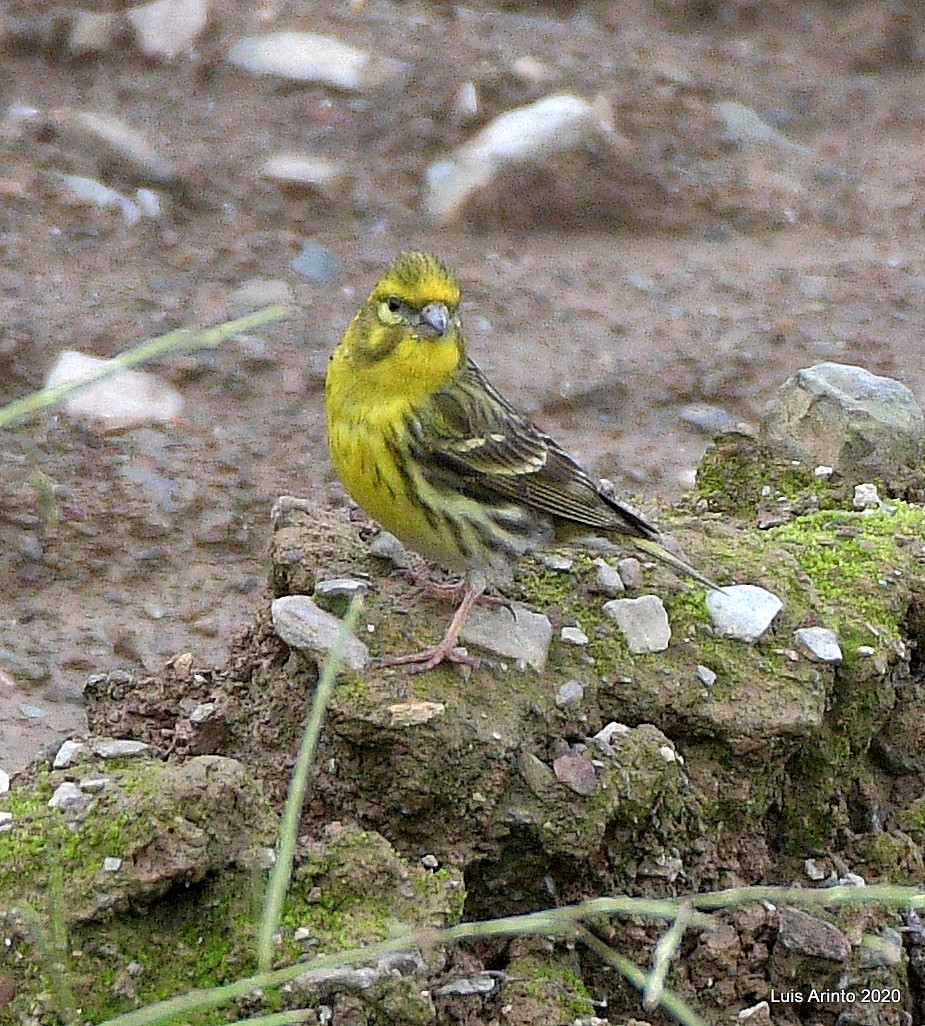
(894, 858)
(553, 989)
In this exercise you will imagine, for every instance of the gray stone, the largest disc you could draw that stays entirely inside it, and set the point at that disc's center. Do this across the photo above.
(746, 127)
(203, 712)
(570, 693)
(67, 795)
(4, 781)
(304, 625)
(743, 611)
(630, 570)
(607, 579)
(819, 644)
(866, 497)
(112, 748)
(807, 935)
(711, 420)
(538, 776)
(430, 862)
(341, 587)
(813, 870)
(706, 676)
(112, 864)
(69, 753)
(318, 264)
(862, 425)
(573, 636)
(387, 546)
(514, 632)
(643, 621)
(553, 561)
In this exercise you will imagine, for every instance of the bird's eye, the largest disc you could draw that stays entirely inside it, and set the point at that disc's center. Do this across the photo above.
(393, 303)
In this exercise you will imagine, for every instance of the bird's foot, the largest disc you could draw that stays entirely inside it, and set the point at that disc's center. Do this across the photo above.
(452, 592)
(430, 657)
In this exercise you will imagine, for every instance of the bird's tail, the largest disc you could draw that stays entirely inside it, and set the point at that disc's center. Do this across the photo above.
(659, 552)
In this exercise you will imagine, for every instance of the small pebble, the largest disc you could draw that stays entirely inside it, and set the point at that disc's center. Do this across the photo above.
(813, 870)
(166, 28)
(90, 785)
(413, 714)
(743, 611)
(6, 819)
(630, 571)
(112, 864)
(318, 264)
(4, 781)
(302, 624)
(576, 773)
(819, 644)
(757, 1015)
(67, 795)
(553, 561)
(514, 632)
(866, 497)
(340, 587)
(182, 666)
(744, 125)
(823, 473)
(430, 862)
(573, 636)
(387, 546)
(203, 712)
(607, 580)
(852, 880)
(113, 748)
(706, 676)
(643, 621)
(711, 420)
(866, 650)
(605, 737)
(305, 169)
(569, 693)
(70, 753)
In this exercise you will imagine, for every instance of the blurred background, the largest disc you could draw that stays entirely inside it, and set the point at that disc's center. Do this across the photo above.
(658, 209)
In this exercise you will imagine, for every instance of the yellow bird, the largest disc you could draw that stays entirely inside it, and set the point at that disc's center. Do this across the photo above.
(428, 448)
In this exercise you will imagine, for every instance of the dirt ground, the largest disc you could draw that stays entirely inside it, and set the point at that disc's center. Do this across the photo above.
(610, 293)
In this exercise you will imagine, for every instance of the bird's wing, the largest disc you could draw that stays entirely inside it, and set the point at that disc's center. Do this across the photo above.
(476, 442)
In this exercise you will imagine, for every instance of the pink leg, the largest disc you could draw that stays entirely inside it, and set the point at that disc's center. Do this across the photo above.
(433, 655)
(452, 592)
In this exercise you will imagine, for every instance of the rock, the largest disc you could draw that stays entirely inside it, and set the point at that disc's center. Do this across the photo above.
(302, 624)
(202, 713)
(573, 636)
(743, 611)
(70, 753)
(166, 28)
(67, 795)
(80, 190)
(756, 1015)
(606, 736)
(91, 32)
(4, 781)
(574, 771)
(536, 773)
(106, 145)
(318, 173)
(630, 570)
(113, 748)
(842, 416)
(387, 546)
(412, 714)
(745, 126)
(126, 399)
(341, 587)
(569, 693)
(866, 497)
(483, 983)
(257, 292)
(643, 621)
(112, 864)
(711, 420)
(813, 870)
(607, 580)
(305, 57)
(514, 632)
(553, 561)
(806, 935)
(706, 676)
(430, 862)
(521, 136)
(318, 264)
(819, 644)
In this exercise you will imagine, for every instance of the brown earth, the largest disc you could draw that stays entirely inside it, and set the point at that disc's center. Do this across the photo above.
(604, 294)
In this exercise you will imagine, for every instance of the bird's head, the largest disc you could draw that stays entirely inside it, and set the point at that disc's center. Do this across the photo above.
(414, 307)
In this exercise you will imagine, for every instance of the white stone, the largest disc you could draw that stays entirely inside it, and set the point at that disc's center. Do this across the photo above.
(4, 781)
(706, 676)
(743, 611)
(866, 497)
(514, 632)
(643, 621)
(166, 28)
(305, 57)
(823, 473)
(125, 399)
(66, 795)
(121, 748)
(744, 125)
(573, 636)
(112, 864)
(304, 625)
(70, 753)
(819, 644)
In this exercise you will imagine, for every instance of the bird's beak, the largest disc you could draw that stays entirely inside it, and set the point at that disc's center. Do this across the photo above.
(436, 318)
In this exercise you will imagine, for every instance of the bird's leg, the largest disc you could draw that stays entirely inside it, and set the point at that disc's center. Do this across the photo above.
(452, 592)
(433, 655)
